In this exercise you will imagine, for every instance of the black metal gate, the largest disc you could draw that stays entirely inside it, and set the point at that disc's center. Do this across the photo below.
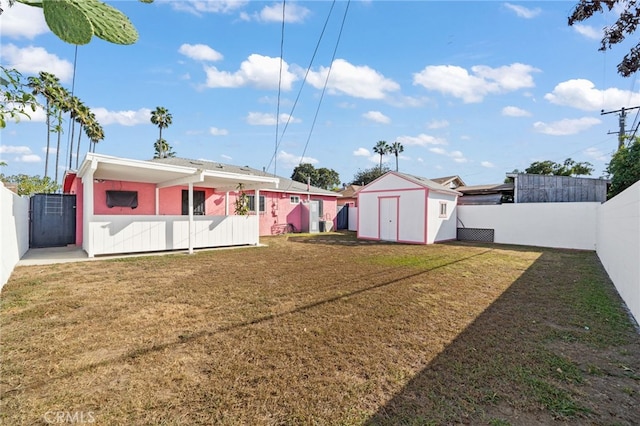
(53, 220)
(343, 217)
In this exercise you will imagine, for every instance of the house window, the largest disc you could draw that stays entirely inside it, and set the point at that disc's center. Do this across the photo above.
(252, 203)
(198, 202)
(443, 209)
(122, 199)
(294, 199)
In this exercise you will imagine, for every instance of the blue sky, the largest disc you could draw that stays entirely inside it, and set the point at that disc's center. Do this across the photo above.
(474, 89)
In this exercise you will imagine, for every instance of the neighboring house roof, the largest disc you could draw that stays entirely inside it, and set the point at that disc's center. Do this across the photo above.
(421, 181)
(493, 188)
(285, 184)
(350, 191)
(452, 182)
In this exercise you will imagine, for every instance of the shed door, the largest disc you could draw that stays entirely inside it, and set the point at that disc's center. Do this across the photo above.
(388, 219)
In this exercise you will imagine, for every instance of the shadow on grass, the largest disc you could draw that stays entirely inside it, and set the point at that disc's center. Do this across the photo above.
(509, 366)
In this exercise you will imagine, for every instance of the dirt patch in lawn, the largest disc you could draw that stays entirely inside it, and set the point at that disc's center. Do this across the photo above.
(321, 330)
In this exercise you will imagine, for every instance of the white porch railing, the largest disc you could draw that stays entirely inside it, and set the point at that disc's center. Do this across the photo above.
(131, 234)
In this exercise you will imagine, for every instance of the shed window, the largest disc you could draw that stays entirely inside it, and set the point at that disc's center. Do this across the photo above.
(122, 199)
(443, 209)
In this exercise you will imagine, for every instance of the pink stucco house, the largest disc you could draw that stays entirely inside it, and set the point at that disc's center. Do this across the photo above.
(126, 205)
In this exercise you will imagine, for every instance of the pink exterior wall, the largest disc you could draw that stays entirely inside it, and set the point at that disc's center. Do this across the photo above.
(278, 210)
(171, 200)
(76, 188)
(146, 198)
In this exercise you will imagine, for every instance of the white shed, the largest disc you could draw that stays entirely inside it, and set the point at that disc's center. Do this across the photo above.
(406, 209)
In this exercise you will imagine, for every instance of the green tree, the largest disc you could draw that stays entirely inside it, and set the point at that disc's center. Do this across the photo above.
(320, 178)
(242, 201)
(46, 85)
(365, 177)
(381, 148)
(568, 168)
(626, 24)
(95, 133)
(29, 185)
(163, 119)
(76, 22)
(396, 148)
(16, 99)
(163, 149)
(327, 178)
(624, 168)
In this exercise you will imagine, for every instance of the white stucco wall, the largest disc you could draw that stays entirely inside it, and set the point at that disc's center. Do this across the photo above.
(558, 225)
(618, 247)
(14, 231)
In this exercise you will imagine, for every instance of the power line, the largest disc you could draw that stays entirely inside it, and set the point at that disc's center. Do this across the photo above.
(279, 83)
(622, 123)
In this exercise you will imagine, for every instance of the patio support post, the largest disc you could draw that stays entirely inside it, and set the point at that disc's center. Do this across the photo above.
(226, 203)
(87, 209)
(157, 201)
(191, 226)
(257, 206)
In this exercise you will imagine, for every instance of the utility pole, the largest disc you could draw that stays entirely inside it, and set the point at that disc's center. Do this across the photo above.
(622, 120)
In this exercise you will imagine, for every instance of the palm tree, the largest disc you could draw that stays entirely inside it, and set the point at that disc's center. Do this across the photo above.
(382, 148)
(95, 133)
(396, 148)
(61, 103)
(161, 118)
(41, 85)
(163, 149)
(74, 109)
(85, 117)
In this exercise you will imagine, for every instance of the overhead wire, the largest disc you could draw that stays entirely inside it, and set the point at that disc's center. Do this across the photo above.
(279, 81)
(295, 103)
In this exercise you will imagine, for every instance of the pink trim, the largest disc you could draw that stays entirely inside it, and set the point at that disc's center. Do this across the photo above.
(426, 216)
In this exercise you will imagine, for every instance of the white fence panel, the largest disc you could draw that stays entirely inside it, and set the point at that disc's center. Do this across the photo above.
(619, 244)
(131, 234)
(14, 231)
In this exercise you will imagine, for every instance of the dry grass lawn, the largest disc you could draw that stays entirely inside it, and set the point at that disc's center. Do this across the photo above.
(321, 330)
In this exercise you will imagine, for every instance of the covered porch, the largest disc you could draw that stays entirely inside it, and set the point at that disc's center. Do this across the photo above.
(100, 234)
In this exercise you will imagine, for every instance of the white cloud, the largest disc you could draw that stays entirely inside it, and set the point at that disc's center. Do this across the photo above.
(582, 94)
(438, 124)
(523, 12)
(264, 119)
(357, 81)
(482, 81)
(200, 52)
(31, 60)
(487, 164)
(589, 32)
(596, 154)
(457, 156)
(199, 7)
(28, 158)
(421, 140)
(262, 72)
(377, 117)
(12, 149)
(124, 118)
(512, 111)
(218, 132)
(566, 126)
(293, 13)
(226, 157)
(292, 160)
(22, 21)
(52, 150)
(361, 152)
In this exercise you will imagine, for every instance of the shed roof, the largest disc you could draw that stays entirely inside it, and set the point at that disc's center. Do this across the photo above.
(422, 181)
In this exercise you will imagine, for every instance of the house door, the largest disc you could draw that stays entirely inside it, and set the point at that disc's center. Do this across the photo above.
(314, 216)
(198, 202)
(52, 221)
(388, 218)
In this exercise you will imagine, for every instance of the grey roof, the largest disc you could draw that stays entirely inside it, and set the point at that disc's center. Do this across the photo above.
(428, 183)
(486, 189)
(286, 184)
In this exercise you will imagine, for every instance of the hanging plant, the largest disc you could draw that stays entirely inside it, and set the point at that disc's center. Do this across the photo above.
(242, 201)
